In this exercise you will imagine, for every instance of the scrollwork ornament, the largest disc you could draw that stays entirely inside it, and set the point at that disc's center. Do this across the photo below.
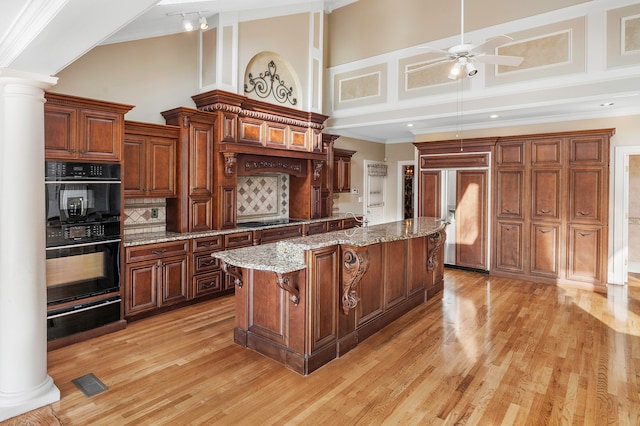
(355, 265)
(437, 240)
(268, 83)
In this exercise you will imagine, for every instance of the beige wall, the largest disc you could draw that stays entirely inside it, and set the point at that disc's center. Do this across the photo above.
(288, 36)
(365, 151)
(360, 30)
(154, 75)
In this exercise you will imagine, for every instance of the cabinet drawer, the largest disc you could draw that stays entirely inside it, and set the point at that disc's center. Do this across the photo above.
(206, 284)
(152, 251)
(239, 239)
(349, 223)
(334, 225)
(207, 244)
(276, 234)
(203, 262)
(316, 228)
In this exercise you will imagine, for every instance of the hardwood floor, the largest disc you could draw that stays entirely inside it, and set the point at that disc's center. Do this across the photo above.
(490, 351)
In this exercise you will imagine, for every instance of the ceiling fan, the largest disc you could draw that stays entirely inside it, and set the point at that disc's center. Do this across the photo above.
(464, 54)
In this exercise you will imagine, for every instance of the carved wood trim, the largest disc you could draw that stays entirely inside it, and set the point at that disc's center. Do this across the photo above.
(230, 160)
(317, 169)
(283, 282)
(355, 263)
(436, 240)
(233, 271)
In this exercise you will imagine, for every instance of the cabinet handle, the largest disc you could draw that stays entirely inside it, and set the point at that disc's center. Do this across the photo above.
(543, 211)
(208, 262)
(82, 151)
(510, 228)
(585, 213)
(584, 234)
(508, 211)
(159, 252)
(545, 231)
(73, 151)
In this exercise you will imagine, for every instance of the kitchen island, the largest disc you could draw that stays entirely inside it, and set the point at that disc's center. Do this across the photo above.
(308, 300)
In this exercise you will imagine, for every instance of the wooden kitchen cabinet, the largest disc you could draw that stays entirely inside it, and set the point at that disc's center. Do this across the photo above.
(83, 129)
(207, 274)
(509, 250)
(193, 208)
(155, 276)
(150, 160)
(342, 169)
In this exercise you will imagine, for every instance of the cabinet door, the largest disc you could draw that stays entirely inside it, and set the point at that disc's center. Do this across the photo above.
(134, 175)
(545, 194)
(394, 278)
(60, 132)
(546, 152)
(316, 202)
(101, 135)
(228, 206)
(161, 178)
(588, 150)
(201, 160)
(173, 282)
(509, 247)
(471, 219)
(430, 194)
(324, 294)
(510, 193)
(510, 153)
(586, 195)
(545, 249)
(141, 287)
(201, 214)
(585, 260)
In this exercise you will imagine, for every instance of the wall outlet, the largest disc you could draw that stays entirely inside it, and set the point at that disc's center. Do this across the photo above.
(154, 213)
(359, 199)
(355, 191)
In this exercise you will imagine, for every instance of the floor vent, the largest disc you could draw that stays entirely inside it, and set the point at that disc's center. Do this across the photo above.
(89, 384)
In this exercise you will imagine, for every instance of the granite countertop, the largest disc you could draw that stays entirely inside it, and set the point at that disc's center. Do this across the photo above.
(163, 237)
(288, 256)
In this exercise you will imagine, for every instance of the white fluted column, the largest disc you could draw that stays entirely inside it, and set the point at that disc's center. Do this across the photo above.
(24, 382)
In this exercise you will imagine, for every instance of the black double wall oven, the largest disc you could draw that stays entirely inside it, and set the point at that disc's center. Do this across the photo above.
(83, 237)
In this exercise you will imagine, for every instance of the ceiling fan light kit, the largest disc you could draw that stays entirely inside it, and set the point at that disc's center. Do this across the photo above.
(464, 54)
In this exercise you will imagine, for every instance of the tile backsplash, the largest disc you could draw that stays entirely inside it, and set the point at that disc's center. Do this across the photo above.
(138, 215)
(263, 196)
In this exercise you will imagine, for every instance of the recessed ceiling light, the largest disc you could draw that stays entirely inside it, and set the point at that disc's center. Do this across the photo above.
(607, 104)
(410, 125)
(494, 116)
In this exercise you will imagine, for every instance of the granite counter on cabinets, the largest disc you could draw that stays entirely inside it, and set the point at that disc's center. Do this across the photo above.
(306, 301)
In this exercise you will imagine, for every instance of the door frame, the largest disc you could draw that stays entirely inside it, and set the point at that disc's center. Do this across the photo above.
(400, 189)
(619, 244)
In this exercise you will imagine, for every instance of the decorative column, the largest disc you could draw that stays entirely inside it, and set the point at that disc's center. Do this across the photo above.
(24, 382)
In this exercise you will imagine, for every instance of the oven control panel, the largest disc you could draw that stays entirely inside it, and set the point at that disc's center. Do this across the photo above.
(83, 233)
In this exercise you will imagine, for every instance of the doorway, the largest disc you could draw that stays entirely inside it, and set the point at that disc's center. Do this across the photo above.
(406, 190)
(626, 214)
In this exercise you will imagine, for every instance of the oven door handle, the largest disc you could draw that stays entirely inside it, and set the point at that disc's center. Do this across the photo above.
(86, 308)
(92, 243)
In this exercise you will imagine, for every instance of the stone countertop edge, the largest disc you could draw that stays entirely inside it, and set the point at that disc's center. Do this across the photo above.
(164, 237)
(289, 255)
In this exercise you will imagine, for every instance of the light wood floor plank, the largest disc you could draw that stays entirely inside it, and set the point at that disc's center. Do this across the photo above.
(488, 351)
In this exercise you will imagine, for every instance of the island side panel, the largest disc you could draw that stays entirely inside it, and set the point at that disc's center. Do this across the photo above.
(395, 273)
(418, 278)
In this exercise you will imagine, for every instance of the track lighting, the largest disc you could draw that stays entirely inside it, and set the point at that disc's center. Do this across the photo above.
(188, 24)
(203, 22)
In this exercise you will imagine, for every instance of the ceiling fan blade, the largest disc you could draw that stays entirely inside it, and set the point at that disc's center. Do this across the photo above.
(429, 65)
(435, 50)
(512, 61)
(490, 45)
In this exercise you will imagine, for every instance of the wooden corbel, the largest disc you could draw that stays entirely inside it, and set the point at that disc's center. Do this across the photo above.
(283, 282)
(230, 160)
(436, 240)
(317, 169)
(234, 272)
(355, 264)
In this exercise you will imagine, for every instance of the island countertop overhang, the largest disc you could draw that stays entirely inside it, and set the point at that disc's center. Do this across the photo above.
(289, 255)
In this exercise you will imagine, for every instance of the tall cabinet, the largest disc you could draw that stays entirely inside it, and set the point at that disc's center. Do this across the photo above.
(551, 202)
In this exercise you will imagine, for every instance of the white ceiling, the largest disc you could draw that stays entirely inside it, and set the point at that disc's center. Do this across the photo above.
(44, 36)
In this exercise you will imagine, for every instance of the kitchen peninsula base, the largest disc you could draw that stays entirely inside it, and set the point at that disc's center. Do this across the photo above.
(307, 301)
